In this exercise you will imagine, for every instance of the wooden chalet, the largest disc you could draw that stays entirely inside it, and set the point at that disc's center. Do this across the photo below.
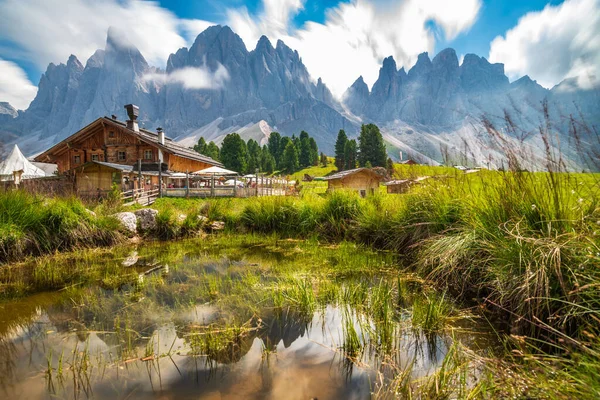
(109, 151)
(365, 181)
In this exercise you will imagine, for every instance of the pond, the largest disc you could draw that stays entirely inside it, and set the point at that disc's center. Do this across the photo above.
(235, 317)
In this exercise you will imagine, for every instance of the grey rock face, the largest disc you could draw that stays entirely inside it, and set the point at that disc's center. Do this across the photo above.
(127, 220)
(146, 218)
(7, 110)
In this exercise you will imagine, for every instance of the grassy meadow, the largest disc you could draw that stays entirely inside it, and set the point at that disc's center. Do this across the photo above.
(523, 247)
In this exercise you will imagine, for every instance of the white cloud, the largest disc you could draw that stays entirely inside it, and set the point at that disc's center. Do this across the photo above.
(14, 85)
(558, 42)
(48, 32)
(356, 36)
(192, 78)
(192, 28)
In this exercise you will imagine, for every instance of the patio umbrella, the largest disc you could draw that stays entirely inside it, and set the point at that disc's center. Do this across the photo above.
(215, 171)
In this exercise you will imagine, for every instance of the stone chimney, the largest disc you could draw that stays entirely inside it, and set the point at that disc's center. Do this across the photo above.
(161, 135)
(133, 112)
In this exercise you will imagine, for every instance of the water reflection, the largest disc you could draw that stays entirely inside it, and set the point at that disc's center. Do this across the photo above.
(142, 342)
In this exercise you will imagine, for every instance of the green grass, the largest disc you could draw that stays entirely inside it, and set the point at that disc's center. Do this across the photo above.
(33, 225)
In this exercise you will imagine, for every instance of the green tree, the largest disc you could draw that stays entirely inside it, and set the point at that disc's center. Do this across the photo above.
(234, 154)
(305, 150)
(200, 147)
(267, 161)
(340, 148)
(371, 148)
(390, 167)
(350, 154)
(290, 163)
(314, 152)
(282, 145)
(323, 160)
(274, 146)
(212, 151)
(254, 152)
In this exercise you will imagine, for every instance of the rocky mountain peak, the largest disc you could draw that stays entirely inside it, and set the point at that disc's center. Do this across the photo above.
(7, 109)
(445, 59)
(477, 74)
(421, 68)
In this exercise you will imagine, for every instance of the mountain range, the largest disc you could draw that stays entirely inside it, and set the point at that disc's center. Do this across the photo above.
(428, 112)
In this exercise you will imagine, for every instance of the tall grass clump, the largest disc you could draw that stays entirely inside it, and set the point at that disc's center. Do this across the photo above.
(35, 225)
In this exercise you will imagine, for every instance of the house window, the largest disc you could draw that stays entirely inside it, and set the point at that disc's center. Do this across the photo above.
(121, 156)
(77, 159)
(94, 157)
(147, 154)
(111, 134)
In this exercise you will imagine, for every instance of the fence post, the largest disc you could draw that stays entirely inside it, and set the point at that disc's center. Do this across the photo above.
(235, 186)
(212, 185)
(187, 183)
(140, 179)
(256, 176)
(159, 180)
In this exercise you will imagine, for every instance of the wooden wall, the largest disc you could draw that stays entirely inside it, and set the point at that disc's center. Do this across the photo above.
(359, 181)
(94, 177)
(180, 164)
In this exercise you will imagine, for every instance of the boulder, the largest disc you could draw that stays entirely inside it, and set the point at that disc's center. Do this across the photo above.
(217, 225)
(146, 218)
(127, 220)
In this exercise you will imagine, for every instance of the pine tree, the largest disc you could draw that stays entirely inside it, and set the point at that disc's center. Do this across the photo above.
(390, 167)
(314, 152)
(340, 148)
(274, 146)
(290, 158)
(371, 147)
(323, 160)
(350, 154)
(254, 152)
(282, 145)
(212, 151)
(234, 154)
(201, 146)
(304, 150)
(267, 161)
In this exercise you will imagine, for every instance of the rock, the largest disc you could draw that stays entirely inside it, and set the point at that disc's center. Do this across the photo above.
(127, 220)
(146, 218)
(217, 225)
(131, 259)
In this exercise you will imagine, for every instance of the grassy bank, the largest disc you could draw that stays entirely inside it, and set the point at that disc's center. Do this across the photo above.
(33, 225)
(524, 246)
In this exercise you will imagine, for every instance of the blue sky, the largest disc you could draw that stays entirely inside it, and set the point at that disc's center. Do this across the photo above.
(338, 40)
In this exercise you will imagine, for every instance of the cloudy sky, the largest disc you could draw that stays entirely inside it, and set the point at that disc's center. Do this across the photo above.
(337, 40)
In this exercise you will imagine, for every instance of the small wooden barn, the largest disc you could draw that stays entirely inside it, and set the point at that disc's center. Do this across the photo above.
(365, 181)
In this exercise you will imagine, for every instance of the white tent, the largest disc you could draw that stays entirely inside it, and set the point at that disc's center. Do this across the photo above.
(16, 167)
(215, 171)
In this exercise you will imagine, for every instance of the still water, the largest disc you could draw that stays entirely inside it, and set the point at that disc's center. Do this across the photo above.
(226, 320)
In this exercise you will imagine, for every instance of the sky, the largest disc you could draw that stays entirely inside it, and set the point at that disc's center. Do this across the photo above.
(337, 40)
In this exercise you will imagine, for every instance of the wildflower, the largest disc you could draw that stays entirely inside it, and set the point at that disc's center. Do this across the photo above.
(533, 207)
(572, 192)
(580, 200)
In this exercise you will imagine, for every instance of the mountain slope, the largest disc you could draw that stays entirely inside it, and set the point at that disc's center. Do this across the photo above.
(432, 112)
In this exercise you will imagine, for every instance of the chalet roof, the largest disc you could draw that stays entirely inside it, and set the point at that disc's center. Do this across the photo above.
(170, 145)
(397, 182)
(122, 168)
(344, 174)
(144, 135)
